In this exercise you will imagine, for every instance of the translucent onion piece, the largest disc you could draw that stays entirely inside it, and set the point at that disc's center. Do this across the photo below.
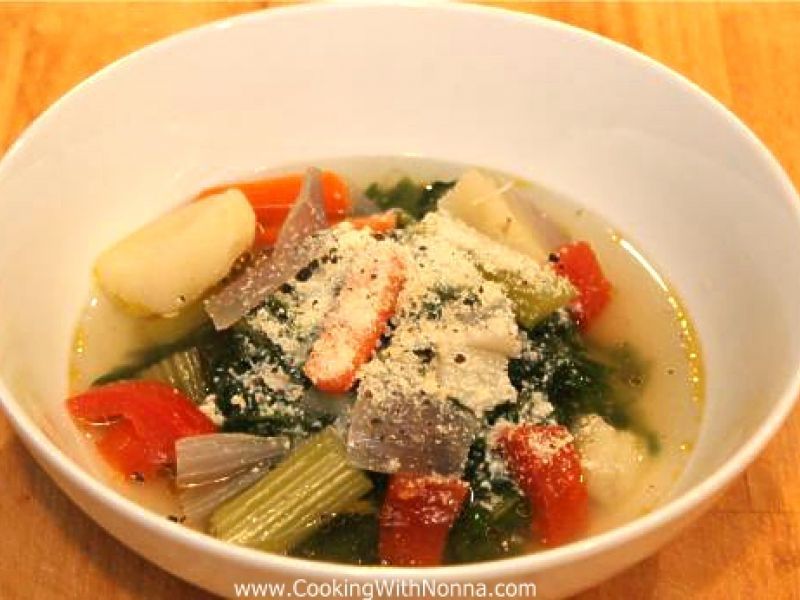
(269, 271)
(213, 458)
(199, 501)
(320, 404)
(418, 434)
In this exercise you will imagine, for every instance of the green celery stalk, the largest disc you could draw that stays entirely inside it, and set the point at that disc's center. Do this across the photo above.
(532, 302)
(287, 505)
(182, 370)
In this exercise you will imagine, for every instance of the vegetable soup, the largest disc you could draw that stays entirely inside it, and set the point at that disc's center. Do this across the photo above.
(386, 361)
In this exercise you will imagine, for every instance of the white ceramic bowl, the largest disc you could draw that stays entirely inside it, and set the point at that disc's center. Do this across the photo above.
(584, 116)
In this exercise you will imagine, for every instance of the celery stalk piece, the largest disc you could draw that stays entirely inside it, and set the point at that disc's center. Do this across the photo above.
(182, 370)
(288, 503)
(532, 303)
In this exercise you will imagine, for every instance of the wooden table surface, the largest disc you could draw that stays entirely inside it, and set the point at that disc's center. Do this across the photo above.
(747, 55)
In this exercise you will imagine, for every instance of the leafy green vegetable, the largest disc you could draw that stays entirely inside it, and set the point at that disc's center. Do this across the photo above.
(234, 358)
(558, 363)
(288, 504)
(413, 198)
(499, 530)
(578, 378)
(346, 538)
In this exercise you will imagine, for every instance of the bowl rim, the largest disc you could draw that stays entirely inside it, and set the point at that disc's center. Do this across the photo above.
(46, 452)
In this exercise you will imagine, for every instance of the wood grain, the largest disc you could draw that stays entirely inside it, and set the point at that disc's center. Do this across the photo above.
(747, 55)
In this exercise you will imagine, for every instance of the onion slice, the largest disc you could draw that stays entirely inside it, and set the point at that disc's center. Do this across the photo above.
(197, 503)
(212, 458)
(420, 434)
(212, 468)
(270, 270)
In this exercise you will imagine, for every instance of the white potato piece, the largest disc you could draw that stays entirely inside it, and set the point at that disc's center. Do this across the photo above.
(478, 200)
(613, 460)
(170, 262)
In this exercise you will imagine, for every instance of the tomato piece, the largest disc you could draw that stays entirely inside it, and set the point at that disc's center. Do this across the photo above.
(125, 451)
(272, 199)
(144, 419)
(352, 329)
(578, 263)
(547, 467)
(416, 518)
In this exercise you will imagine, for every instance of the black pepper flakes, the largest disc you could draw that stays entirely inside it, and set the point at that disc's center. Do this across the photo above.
(426, 355)
(306, 272)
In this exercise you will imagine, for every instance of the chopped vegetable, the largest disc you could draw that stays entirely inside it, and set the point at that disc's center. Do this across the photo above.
(171, 262)
(378, 223)
(612, 459)
(547, 467)
(144, 419)
(415, 200)
(212, 468)
(532, 303)
(272, 199)
(199, 501)
(401, 433)
(524, 198)
(270, 270)
(556, 362)
(416, 517)
(210, 458)
(351, 331)
(491, 530)
(578, 263)
(480, 202)
(287, 505)
(242, 367)
(182, 370)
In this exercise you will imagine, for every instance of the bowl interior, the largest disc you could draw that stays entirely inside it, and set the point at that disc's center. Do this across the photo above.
(579, 115)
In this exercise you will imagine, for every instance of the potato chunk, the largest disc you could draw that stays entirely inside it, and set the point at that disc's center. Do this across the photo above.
(478, 201)
(613, 460)
(172, 261)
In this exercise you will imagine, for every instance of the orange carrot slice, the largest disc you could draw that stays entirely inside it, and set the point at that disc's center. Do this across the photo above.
(352, 329)
(272, 198)
(379, 223)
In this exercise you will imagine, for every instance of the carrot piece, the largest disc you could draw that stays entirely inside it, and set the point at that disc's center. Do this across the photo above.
(272, 198)
(352, 329)
(416, 517)
(547, 467)
(379, 223)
